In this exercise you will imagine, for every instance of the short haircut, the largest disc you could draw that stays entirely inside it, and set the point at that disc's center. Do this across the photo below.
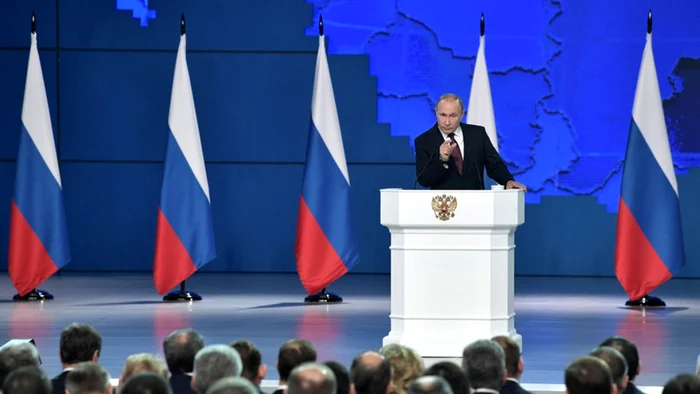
(146, 383)
(684, 383)
(511, 350)
(453, 374)
(26, 380)
(430, 385)
(143, 362)
(87, 377)
(292, 354)
(588, 375)
(78, 343)
(237, 385)
(342, 376)
(485, 364)
(370, 377)
(250, 357)
(180, 347)
(17, 355)
(311, 378)
(215, 362)
(616, 362)
(628, 350)
(450, 97)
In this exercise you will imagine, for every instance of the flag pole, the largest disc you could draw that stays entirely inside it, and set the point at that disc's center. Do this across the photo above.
(647, 301)
(35, 294)
(322, 297)
(183, 294)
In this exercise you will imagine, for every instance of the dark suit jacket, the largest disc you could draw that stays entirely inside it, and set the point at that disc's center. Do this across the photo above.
(180, 383)
(58, 384)
(511, 387)
(632, 389)
(479, 153)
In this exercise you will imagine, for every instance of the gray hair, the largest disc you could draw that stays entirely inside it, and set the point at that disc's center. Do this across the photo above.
(484, 362)
(215, 362)
(450, 97)
(180, 347)
(232, 385)
(15, 355)
(88, 377)
(312, 378)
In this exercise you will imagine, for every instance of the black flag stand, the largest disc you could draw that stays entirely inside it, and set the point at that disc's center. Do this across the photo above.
(182, 295)
(36, 294)
(647, 301)
(322, 297)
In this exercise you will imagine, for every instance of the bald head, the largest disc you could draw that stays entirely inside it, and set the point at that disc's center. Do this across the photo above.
(311, 378)
(430, 385)
(370, 373)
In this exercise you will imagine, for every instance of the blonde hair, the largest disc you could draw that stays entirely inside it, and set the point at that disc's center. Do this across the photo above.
(406, 366)
(143, 362)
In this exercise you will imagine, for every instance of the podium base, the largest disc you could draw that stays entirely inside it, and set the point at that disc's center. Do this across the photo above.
(323, 297)
(34, 295)
(646, 302)
(182, 296)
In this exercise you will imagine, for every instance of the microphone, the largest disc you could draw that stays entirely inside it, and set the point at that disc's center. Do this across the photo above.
(425, 167)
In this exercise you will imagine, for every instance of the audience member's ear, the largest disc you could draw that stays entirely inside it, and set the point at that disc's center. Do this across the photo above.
(388, 387)
(352, 388)
(504, 378)
(109, 390)
(639, 368)
(521, 366)
(96, 356)
(625, 382)
(614, 390)
(192, 382)
(262, 371)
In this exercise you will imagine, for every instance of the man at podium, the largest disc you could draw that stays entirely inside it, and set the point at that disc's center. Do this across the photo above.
(452, 155)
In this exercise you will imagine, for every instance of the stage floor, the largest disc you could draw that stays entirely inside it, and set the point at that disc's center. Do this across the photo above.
(559, 319)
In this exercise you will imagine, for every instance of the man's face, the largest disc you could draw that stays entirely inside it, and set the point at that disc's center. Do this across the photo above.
(449, 115)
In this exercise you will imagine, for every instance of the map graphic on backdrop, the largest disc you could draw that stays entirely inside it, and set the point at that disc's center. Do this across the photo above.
(563, 75)
(139, 10)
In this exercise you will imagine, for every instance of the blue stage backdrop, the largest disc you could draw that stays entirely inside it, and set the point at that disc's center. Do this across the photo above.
(563, 76)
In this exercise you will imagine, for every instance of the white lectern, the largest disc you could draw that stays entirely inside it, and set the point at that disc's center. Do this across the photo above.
(452, 258)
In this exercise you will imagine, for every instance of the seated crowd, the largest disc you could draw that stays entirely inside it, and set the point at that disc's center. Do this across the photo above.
(489, 366)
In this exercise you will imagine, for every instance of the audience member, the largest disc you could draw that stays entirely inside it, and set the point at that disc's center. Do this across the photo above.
(515, 365)
(429, 385)
(485, 365)
(180, 347)
(629, 351)
(253, 368)
(292, 354)
(311, 378)
(88, 378)
(238, 385)
(212, 363)
(617, 364)
(684, 383)
(146, 383)
(342, 376)
(453, 374)
(142, 362)
(370, 373)
(406, 366)
(17, 355)
(79, 343)
(26, 380)
(589, 375)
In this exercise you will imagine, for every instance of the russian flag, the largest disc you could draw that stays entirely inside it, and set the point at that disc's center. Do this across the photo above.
(649, 246)
(325, 247)
(184, 234)
(38, 233)
(480, 108)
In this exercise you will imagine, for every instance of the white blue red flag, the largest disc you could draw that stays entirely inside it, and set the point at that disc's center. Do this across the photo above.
(325, 246)
(38, 232)
(480, 108)
(649, 246)
(185, 234)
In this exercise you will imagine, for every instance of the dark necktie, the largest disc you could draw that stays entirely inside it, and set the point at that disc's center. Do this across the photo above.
(456, 153)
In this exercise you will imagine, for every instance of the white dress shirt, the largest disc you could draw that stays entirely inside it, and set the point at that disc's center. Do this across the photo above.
(459, 137)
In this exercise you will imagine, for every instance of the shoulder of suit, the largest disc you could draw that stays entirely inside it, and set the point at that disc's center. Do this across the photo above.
(472, 127)
(427, 133)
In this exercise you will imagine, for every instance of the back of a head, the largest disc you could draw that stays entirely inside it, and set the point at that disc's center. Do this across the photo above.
(485, 364)
(617, 363)
(17, 355)
(180, 347)
(406, 366)
(430, 385)
(588, 375)
(682, 384)
(26, 380)
(628, 350)
(370, 373)
(311, 378)
(511, 350)
(250, 357)
(453, 374)
(342, 376)
(215, 362)
(143, 362)
(146, 383)
(79, 343)
(88, 377)
(233, 385)
(292, 354)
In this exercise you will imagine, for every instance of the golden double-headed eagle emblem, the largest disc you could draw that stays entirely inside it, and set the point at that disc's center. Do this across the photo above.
(444, 207)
